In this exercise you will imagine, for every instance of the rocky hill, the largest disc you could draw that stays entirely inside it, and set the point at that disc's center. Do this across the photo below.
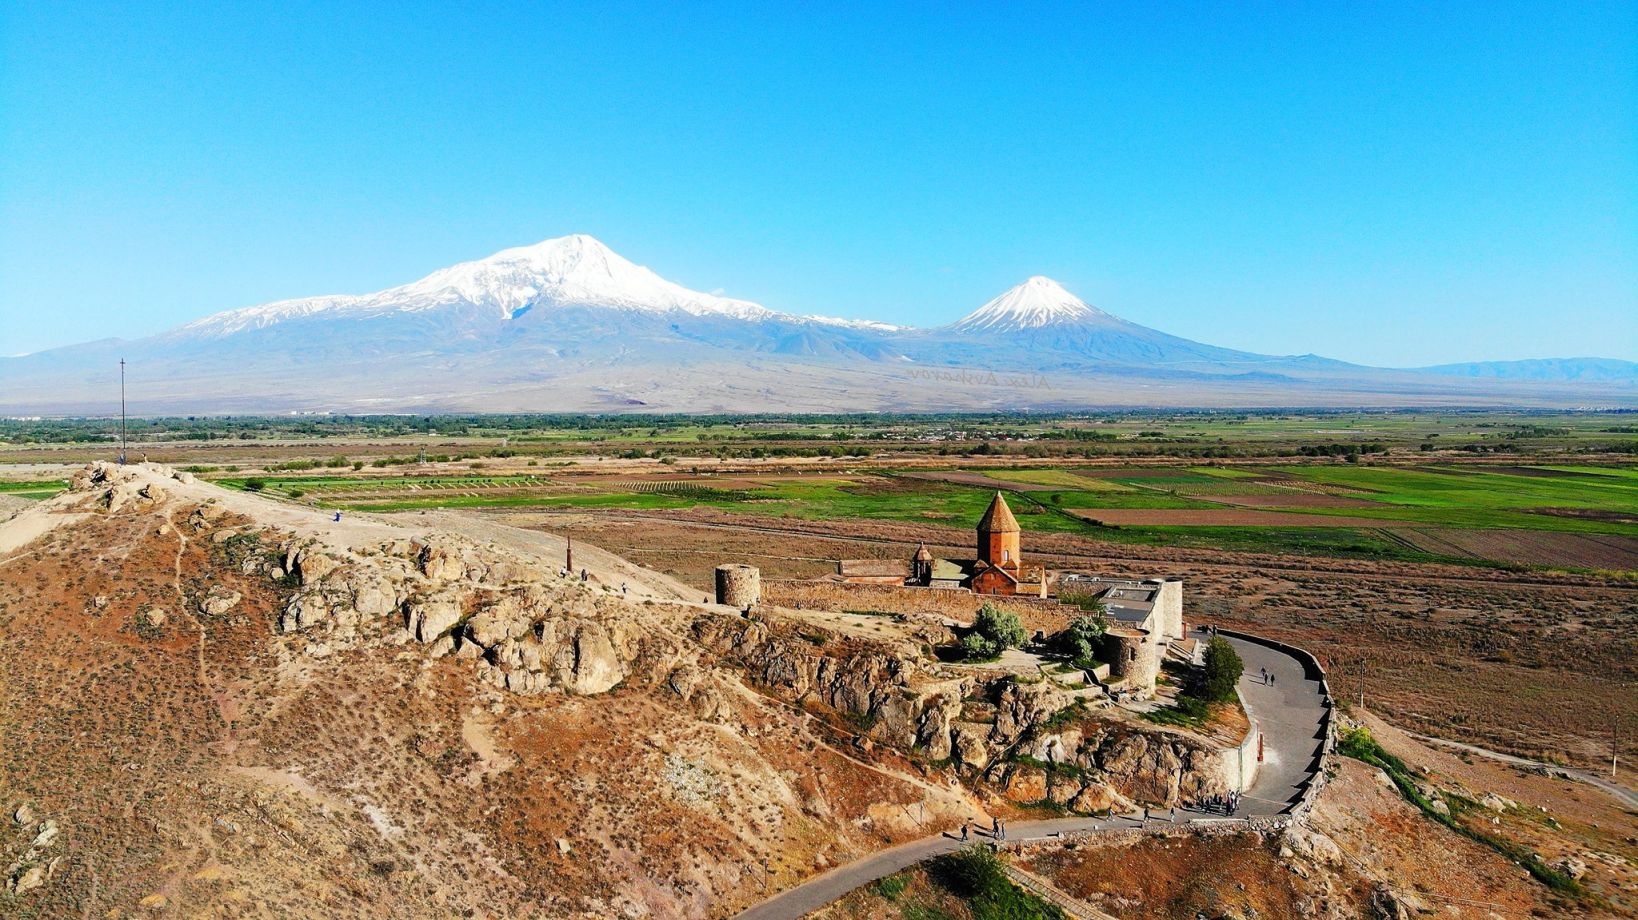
(226, 705)
(238, 708)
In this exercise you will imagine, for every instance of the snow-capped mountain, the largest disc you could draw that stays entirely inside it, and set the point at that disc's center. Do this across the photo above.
(569, 325)
(575, 270)
(1038, 302)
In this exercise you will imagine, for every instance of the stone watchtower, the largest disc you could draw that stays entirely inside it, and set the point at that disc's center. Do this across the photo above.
(998, 534)
(739, 585)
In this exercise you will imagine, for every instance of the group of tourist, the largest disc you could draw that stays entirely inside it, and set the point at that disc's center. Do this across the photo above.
(1227, 803)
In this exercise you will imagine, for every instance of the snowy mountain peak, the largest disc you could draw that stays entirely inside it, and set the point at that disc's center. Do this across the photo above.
(576, 270)
(1038, 302)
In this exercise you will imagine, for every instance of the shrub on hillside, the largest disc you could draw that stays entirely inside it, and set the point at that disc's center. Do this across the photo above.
(979, 877)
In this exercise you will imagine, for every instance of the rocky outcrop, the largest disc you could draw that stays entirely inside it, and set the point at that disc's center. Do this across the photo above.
(1035, 748)
(526, 627)
(531, 630)
(1106, 762)
(115, 488)
(37, 860)
(889, 693)
(219, 601)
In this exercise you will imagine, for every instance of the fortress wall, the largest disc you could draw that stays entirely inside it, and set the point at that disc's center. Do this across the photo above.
(1036, 613)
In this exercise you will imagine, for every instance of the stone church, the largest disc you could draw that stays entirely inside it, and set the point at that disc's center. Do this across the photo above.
(999, 568)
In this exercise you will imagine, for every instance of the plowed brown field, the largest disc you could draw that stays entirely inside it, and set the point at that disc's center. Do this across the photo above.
(1213, 517)
(1530, 547)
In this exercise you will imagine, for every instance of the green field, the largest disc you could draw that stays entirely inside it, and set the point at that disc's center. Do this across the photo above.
(1373, 484)
(36, 489)
(1444, 496)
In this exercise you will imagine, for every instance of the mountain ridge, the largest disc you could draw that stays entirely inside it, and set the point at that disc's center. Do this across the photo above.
(568, 324)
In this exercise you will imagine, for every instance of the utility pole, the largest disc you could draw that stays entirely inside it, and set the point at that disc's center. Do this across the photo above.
(122, 412)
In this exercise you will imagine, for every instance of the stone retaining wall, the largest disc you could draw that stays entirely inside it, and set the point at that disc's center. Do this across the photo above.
(1037, 614)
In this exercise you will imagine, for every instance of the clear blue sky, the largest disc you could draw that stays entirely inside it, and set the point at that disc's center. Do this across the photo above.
(1393, 184)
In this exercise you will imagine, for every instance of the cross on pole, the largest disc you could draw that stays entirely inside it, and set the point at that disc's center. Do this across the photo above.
(122, 411)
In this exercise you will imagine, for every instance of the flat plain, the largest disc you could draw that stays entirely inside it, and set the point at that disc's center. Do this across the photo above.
(1475, 573)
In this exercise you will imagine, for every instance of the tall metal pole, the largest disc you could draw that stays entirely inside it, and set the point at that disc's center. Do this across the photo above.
(122, 411)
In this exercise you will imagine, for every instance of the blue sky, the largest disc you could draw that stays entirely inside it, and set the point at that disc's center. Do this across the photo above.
(1392, 184)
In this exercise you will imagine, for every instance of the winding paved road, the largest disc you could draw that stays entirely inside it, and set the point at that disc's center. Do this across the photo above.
(1287, 711)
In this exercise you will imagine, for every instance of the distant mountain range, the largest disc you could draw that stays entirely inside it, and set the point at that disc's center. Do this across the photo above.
(569, 325)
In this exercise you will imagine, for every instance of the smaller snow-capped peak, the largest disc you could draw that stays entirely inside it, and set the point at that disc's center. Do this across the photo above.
(1038, 302)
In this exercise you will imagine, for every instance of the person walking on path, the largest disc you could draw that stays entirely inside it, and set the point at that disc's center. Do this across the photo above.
(995, 828)
(1264, 672)
(965, 826)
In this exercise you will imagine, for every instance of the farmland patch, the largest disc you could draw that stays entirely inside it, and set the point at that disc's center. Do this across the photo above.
(1216, 517)
(1529, 547)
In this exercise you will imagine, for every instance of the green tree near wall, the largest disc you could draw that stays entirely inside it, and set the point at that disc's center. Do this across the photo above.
(994, 631)
(1221, 672)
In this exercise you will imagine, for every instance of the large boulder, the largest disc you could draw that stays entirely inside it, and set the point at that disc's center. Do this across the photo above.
(969, 746)
(371, 595)
(310, 564)
(434, 615)
(219, 601)
(442, 559)
(507, 616)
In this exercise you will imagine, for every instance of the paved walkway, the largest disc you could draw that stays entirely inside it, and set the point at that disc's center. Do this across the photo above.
(1287, 711)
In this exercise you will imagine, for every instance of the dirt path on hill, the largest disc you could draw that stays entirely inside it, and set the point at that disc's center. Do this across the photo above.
(1621, 793)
